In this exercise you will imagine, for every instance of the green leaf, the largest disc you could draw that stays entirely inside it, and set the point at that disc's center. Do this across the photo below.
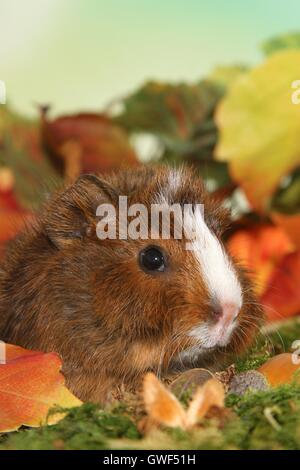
(287, 199)
(169, 111)
(285, 41)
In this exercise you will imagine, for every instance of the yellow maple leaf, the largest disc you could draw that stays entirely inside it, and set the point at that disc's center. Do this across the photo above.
(260, 126)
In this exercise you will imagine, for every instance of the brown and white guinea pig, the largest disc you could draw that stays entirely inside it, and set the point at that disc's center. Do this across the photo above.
(114, 309)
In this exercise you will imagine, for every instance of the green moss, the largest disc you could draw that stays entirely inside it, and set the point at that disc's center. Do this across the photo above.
(254, 359)
(263, 420)
(87, 427)
(269, 419)
(283, 338)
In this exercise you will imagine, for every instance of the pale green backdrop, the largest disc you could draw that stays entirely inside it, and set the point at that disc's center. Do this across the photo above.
(80, 54)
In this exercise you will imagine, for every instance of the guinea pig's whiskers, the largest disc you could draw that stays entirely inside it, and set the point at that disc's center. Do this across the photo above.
(260, 305)
(179, 356)
(241, 337)
(248, 321)
(160, 363)
(175, 351)
(262, 331)
(162, 356)
(278, 314)
(281, 340)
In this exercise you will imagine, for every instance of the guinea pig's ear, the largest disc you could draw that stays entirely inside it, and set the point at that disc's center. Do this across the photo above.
(70, 214)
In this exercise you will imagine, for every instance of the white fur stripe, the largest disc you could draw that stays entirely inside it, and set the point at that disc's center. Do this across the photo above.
(213, 261)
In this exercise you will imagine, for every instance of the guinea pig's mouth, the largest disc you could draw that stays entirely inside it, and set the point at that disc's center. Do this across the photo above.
(205, 338)
(211, 336)
(217, 331)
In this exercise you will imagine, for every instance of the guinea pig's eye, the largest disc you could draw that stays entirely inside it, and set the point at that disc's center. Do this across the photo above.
(152, 259)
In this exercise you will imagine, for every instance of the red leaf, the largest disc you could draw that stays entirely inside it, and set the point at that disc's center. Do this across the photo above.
(275, 263)
(282, 296)
(260, 248)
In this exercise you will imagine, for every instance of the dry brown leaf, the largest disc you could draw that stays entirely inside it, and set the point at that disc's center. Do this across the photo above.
(211, 394)
(86, 143)
(162, 406)
(164, 409)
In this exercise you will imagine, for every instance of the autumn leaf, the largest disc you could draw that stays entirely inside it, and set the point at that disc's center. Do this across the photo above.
(290, 223)
(168, 110)
(163, 408)
(260, 248)
(179, 117)
(210, 395)
(280, 370)
(274, 264)
(281, 298)
(86, 142)
(259, 127)
(30, 385)
(161, 405)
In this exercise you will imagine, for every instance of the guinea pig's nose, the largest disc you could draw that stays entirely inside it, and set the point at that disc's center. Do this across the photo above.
(228, 312)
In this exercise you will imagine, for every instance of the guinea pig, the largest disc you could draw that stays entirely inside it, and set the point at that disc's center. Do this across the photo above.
(116, 308)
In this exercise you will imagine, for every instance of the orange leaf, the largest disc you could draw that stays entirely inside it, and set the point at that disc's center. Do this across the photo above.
(280, 370)
(30, 385)
(281, 298)
(290, 224)
(272, 258)
(260, 248)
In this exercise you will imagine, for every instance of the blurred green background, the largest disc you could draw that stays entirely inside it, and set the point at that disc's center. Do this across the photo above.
(80, 54)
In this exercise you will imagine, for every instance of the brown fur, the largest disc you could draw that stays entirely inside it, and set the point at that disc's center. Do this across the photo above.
(64, 290)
